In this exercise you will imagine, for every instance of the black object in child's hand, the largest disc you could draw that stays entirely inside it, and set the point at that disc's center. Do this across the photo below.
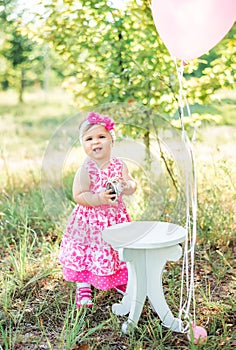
(112, 189)
(115, 187)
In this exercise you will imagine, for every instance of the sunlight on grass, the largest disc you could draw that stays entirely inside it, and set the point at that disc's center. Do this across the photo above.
(27, 127)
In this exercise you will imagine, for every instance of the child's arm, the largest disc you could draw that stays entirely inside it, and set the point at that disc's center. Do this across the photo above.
(128, 183)
(82, 194)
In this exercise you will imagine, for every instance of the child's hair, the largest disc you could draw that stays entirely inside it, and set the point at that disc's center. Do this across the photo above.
(96, 118)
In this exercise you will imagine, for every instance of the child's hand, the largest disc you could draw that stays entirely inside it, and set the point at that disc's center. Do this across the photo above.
(107, 198)
(124, 184)
(128, 186)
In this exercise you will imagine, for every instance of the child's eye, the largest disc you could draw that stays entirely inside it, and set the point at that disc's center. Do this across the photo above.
(102, 137)
(88, 139)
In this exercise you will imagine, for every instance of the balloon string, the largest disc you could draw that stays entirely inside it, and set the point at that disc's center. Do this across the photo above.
(193, 225)
(187, 277)
(183, 102)
(180, 72)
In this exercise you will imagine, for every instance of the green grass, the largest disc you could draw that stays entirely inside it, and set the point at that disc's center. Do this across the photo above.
(37, 305)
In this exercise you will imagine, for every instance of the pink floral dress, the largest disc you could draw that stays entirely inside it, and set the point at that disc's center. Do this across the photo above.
(84, 255)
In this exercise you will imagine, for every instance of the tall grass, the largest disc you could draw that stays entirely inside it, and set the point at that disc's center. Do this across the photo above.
(37, 305)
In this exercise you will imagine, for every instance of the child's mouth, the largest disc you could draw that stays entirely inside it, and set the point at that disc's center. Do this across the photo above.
(97, 149)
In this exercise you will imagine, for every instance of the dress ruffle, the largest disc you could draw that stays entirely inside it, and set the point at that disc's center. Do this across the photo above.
(100, 282)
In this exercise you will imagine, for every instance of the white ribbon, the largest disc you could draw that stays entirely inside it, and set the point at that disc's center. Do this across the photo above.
(187, 280)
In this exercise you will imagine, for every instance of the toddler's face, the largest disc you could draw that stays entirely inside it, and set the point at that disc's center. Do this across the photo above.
(97, 142)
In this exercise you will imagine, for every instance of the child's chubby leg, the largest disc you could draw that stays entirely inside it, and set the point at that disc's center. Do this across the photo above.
(83, 296)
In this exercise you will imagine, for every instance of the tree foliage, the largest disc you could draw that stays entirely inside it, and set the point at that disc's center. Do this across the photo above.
(216, 71)
(112, 54)
(23, 61)
(115, 54)
(16, 50)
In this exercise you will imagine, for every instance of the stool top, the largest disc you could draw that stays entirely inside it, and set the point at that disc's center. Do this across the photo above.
(144, 235)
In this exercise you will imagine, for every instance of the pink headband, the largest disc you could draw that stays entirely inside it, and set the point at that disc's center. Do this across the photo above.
(96, 118)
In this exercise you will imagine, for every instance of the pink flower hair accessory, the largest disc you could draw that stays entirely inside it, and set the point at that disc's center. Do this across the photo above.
(96, 118)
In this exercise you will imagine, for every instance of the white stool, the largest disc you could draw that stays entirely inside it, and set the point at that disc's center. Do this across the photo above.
(145, 246)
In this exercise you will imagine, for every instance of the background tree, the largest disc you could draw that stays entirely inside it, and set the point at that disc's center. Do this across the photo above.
(5, 9)
(216, 70)
(116, 54)
(24, 61)
(15, 48)
(111, 54)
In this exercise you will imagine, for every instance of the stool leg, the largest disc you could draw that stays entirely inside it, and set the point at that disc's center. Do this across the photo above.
(156, 260)
(136, 292)
(123, 308)
(137, 272)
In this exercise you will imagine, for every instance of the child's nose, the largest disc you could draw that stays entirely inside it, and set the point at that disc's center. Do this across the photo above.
(95, 140)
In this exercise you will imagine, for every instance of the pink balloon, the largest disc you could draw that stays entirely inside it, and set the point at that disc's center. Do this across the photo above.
(190, 28)
(199, 334)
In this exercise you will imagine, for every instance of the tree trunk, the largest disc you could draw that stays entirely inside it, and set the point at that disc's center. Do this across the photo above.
(22, 85)
(147, 144)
